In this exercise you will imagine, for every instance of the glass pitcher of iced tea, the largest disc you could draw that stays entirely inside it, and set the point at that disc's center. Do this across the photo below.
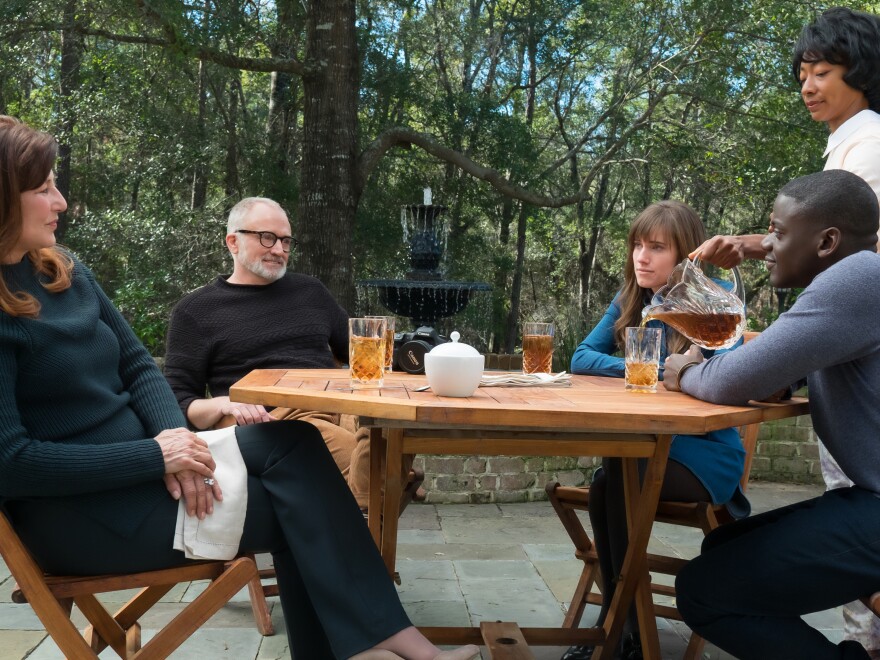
(706, 312)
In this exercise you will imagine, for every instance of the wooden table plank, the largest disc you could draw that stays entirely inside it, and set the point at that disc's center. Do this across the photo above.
(600, 403)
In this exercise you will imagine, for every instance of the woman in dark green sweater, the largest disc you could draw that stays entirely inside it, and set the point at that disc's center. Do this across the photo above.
(94, 453)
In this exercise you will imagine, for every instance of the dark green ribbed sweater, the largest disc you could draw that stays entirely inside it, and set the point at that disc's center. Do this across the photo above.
(80, 403)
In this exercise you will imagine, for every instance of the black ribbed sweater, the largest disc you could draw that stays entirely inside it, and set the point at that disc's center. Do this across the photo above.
(222, 331)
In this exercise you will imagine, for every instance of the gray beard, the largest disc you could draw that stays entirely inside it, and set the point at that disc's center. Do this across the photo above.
(258, 269)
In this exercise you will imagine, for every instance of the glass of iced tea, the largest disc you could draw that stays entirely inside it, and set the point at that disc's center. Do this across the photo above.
(366, 352)
(537, 348)
(642, 359)
(389, 339)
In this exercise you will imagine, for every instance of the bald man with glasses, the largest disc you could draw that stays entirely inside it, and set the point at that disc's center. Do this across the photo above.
(261, 317)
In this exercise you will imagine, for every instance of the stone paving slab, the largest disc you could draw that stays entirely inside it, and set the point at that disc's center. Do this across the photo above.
(426, 581)
(452, 551)
(492, 530)
(458, 564)
(208, 642)
(18, 643)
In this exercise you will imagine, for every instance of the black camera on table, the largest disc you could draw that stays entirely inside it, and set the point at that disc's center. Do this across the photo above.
(410, 348)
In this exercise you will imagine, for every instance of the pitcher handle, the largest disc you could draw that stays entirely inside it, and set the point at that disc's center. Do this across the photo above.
(738, 288)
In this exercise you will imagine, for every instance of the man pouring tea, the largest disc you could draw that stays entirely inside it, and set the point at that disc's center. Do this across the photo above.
(756, 577)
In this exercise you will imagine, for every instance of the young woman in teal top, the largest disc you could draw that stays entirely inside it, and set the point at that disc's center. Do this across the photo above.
(701, 468)
(94, 453)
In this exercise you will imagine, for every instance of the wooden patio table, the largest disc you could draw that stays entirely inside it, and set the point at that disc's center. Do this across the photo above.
(595, 416)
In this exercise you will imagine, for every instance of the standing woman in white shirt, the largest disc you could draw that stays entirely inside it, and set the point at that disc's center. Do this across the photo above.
(836, 61)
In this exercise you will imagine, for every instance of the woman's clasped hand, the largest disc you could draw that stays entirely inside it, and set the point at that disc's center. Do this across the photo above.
(189, 471)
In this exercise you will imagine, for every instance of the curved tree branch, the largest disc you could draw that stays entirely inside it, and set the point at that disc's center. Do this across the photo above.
(405, 137)
(201, 52)
(173, 42)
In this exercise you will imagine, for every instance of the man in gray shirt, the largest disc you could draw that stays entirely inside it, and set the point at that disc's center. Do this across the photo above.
(755, 578)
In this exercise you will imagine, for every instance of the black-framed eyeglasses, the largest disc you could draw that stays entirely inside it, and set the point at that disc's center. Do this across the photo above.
(268, 239)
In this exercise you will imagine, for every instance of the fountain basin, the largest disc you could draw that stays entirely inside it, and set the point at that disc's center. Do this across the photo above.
(424, 301)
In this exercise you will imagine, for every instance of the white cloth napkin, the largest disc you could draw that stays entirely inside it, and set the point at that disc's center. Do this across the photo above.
(561, 379)
(219, 534)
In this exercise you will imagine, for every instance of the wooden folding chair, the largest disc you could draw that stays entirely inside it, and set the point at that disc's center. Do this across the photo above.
(52, 598)
(566, 500)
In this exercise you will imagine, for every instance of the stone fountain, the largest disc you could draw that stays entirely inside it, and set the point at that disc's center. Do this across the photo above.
(425, 297)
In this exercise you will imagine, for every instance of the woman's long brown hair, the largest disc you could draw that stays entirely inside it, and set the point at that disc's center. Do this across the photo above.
(26, 159)
(678, 224)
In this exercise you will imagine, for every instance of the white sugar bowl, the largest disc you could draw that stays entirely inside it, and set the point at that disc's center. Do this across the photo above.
(453, 368)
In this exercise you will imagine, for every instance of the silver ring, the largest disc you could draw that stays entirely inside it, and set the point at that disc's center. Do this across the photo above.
(209, 482)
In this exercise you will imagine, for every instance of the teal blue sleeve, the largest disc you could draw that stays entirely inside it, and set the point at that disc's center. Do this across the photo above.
(593, 356)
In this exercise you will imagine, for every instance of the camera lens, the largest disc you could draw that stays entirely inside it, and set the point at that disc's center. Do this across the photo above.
(411, 356)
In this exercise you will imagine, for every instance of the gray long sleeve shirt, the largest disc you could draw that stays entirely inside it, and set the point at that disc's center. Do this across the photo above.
(831, 336)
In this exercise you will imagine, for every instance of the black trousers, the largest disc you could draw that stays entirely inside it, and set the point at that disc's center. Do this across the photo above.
(755, 577)
(334, 589)
(608, 520)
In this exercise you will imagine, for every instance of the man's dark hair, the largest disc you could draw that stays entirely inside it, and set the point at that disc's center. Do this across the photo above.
(851, 38)
(836, 198)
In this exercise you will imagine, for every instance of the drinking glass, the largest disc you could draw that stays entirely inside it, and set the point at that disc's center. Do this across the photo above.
(366, 352)
(537, 348)
(642, 359)
(389, 339)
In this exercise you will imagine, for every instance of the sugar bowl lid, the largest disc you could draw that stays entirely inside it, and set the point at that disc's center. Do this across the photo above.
(454, 348)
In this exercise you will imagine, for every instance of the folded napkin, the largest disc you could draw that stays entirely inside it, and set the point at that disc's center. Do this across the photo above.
(561, 379)
(219, 534)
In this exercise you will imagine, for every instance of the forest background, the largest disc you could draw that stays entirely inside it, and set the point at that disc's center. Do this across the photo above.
(544, 126)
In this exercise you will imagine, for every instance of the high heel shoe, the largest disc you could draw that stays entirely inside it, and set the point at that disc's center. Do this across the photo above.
(469, 652)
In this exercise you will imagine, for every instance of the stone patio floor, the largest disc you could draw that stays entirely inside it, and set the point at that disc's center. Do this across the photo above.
(458, 564)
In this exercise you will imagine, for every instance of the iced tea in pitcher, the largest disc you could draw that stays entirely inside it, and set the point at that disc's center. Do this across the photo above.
(699, 307)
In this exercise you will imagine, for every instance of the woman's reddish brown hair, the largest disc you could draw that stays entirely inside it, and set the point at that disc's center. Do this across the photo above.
(26, 159)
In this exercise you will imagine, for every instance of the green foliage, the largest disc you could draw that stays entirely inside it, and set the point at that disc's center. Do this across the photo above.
(543, 92)
(146, 261)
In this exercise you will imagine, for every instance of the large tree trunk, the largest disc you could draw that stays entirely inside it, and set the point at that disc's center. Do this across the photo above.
(502, 275)
(587, 256)
(71, 47)
(328, 191)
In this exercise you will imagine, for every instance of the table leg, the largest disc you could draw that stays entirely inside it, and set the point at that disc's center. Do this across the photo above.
(392, 490)
(644, 601)
(641, 509)
(377, 451)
